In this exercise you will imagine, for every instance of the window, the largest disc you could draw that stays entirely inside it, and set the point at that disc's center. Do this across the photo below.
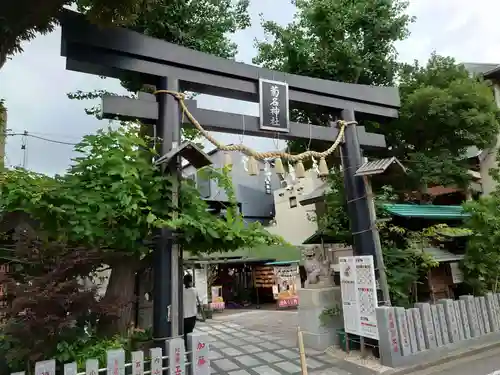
(267, 186)
(293, 202)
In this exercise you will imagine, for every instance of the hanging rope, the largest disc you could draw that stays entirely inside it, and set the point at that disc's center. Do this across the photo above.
(180, 97)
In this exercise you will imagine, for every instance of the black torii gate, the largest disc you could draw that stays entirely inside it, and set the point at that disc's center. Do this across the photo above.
(111, 52)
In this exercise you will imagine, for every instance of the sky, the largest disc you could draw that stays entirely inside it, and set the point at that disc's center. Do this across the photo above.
(35, 83)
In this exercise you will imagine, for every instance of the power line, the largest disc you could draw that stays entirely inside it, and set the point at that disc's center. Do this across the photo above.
(27, 134)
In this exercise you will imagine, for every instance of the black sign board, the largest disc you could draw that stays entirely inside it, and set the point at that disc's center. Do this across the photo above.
(274, 105)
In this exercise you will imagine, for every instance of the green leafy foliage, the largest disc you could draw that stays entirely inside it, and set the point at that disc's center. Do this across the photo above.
(87, 346)
(480, 265)
(405, 261)
(114, 196)
(406, 264)
(45, 302)
(339, 40)
(444, 111)
(23, 21)
(328, 314)
(204, 25)
(334, 222)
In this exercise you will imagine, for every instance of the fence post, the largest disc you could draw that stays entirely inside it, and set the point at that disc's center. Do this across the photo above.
(46, 367)
(92, 367)
(156, 355)
(115, 362)
(199, 349)
(389, 343)
(70, 368)
(176, 356)
(137, 363)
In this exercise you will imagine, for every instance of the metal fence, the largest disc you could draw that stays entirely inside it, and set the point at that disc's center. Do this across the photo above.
(173, 361)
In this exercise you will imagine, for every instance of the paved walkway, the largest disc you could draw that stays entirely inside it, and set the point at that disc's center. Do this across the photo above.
(238, 348)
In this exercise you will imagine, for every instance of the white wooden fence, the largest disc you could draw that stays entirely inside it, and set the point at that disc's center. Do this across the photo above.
(171, 362)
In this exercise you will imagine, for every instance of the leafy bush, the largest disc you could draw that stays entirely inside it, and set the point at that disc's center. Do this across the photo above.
(79, 349)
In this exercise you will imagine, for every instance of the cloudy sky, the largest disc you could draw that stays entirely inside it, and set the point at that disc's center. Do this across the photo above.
(35, 83)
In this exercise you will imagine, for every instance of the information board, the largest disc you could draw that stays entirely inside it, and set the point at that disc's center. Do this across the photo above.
(359, 295)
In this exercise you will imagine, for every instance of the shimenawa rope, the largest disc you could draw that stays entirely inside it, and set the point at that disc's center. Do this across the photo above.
(247, 150)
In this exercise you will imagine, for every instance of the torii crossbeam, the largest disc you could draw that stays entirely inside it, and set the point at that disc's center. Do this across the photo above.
(111, 52)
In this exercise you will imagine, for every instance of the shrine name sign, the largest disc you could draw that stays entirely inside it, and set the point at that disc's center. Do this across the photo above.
(274, 106)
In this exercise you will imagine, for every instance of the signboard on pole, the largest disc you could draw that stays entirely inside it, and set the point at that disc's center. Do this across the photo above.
(274, 109)
(217, 300)
(359, 295)
(286, 286)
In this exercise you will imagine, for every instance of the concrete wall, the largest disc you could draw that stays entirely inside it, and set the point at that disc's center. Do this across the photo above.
(294, 222)
(412, 336)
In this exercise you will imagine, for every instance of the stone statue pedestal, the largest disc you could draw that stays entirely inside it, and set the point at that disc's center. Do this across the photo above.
(317, 334)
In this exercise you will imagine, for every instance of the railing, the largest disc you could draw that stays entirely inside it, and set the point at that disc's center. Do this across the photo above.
(172, 362)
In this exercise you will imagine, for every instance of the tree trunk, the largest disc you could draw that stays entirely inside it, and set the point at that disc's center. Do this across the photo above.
(3, 59)
(120, 292)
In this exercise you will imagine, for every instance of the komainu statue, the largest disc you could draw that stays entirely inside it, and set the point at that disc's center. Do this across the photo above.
(317, 267)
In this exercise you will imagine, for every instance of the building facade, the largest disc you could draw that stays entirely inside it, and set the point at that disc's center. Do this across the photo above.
(488, 157)
(253, 193)
(294, 221)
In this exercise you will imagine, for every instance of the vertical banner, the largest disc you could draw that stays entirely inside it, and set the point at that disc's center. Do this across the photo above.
(200, 284)
(286, 286)
(217, 300)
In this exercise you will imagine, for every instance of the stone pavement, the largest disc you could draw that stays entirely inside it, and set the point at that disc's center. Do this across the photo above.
(237, 348)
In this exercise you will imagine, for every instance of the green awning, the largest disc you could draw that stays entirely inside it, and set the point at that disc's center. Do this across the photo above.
(320, 238)
(264, 253)
(427, 211)
(442, 255)
(283, 262)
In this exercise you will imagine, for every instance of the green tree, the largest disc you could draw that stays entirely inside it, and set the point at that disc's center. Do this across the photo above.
(480, 265)
(444, 111)
(334, 222)
(406, 264)
(22, 21)
(203, 25)
(338, 40)
(113, 198)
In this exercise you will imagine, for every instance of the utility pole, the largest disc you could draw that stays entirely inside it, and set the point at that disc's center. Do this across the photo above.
(3, 130)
